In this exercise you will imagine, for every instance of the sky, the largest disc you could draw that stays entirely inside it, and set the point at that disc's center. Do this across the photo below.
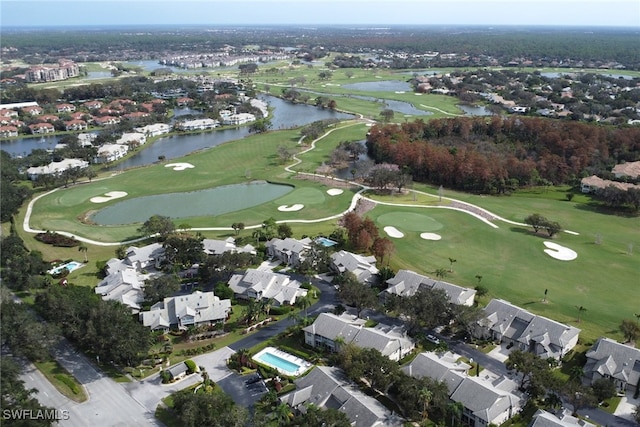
(588, 13)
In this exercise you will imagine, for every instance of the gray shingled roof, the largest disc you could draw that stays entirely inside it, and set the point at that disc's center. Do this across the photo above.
(440, 367)
(328, 387)
(609, 357)
(385, 339)
(517, 324)
(406, 283)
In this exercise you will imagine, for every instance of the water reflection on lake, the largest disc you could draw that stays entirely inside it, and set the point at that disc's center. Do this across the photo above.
(475, 110)
(214, 201)
(381, 86)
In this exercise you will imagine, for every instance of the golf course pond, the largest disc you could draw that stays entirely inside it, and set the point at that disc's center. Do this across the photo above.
(213, 201)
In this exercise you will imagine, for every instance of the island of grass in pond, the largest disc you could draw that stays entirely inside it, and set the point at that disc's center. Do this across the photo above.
(214, 201)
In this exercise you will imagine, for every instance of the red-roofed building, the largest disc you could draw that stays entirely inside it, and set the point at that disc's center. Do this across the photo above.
(75, 125)
(184, 102)
(40, 128)
(80, 115)
(8, 131)
(33, 110)
(93, 105)
(65, 108)
(136, 115)
(49, 118)
(5, 112)
(106, 120)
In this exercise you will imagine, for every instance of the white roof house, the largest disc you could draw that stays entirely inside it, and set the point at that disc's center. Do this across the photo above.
(257, 284)
(128, 138)
(487, 399)
(56, 168)
(559, 418)
(289, 251)
(186, 310)
(137, 258)
(238, 119)
(111, 152)
(528, 332)
(218, 247)
(125, 286)
(198, 124)
(390, 341)
(363, 267)
(154, 129)
(328, 387)
(406, 283)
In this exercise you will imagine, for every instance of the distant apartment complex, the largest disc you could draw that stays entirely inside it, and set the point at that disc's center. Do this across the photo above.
(50, 73)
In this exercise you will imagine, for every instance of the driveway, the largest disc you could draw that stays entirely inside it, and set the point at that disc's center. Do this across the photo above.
(150, 392)
(108, 404)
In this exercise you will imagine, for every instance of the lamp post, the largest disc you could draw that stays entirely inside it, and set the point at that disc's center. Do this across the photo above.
(471, 363)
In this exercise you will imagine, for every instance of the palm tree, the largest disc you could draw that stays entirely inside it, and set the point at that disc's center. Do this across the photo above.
(83, 249)
(581, 310)
(282, 414)
(451, 261)
(455, 409)
(304, 302)
(425, 396)
(441, 272)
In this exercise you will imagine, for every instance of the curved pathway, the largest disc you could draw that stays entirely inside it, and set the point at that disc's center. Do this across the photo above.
(476, 211)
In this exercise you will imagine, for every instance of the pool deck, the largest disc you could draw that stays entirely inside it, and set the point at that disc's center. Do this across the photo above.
(303, 365)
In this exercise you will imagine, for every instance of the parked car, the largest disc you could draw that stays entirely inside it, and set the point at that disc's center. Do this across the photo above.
(433, 339)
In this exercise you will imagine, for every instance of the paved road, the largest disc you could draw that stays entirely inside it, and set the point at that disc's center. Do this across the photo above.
(108, 405)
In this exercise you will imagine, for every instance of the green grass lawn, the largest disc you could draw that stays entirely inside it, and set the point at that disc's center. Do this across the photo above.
(62, 380)
(510, 259)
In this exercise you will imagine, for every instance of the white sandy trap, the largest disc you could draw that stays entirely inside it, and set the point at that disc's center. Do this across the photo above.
(292, 208)
(334, 191)
(560, 252)
(111, 195)
(179, 166)
(393, 232)
(430, 236)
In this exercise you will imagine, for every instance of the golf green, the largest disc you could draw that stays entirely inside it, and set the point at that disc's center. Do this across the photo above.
(305, 196)
(406, 221)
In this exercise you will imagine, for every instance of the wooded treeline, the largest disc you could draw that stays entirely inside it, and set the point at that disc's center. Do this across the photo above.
(498, 155)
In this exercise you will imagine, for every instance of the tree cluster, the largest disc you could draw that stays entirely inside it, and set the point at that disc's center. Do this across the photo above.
(499, 155)
(363, 235)
(16, 397)
(102, 328)
(539, 222)
(418, 398)
(208, 409)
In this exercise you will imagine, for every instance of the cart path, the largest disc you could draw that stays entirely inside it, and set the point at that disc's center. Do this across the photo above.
(481, 214)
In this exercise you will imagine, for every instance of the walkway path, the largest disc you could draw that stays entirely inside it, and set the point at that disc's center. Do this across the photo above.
(482, 214)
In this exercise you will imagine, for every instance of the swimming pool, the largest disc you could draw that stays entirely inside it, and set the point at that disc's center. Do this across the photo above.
(284, 362)
(327, 243)
(71, 265)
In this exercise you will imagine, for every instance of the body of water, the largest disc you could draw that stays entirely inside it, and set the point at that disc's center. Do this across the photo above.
(284, 115)
(475, 110)
(211, 202)
(380, 86)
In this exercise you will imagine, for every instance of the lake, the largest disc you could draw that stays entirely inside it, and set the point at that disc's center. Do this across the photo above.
(211, 202)
(284, 115)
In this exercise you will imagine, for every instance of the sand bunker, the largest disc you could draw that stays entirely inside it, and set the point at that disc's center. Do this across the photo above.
(292, 208)
(393, 232)
(400, 91)
(179, 166)
(334, 191)
(430, 236)
(560, 252)
(111, 195)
